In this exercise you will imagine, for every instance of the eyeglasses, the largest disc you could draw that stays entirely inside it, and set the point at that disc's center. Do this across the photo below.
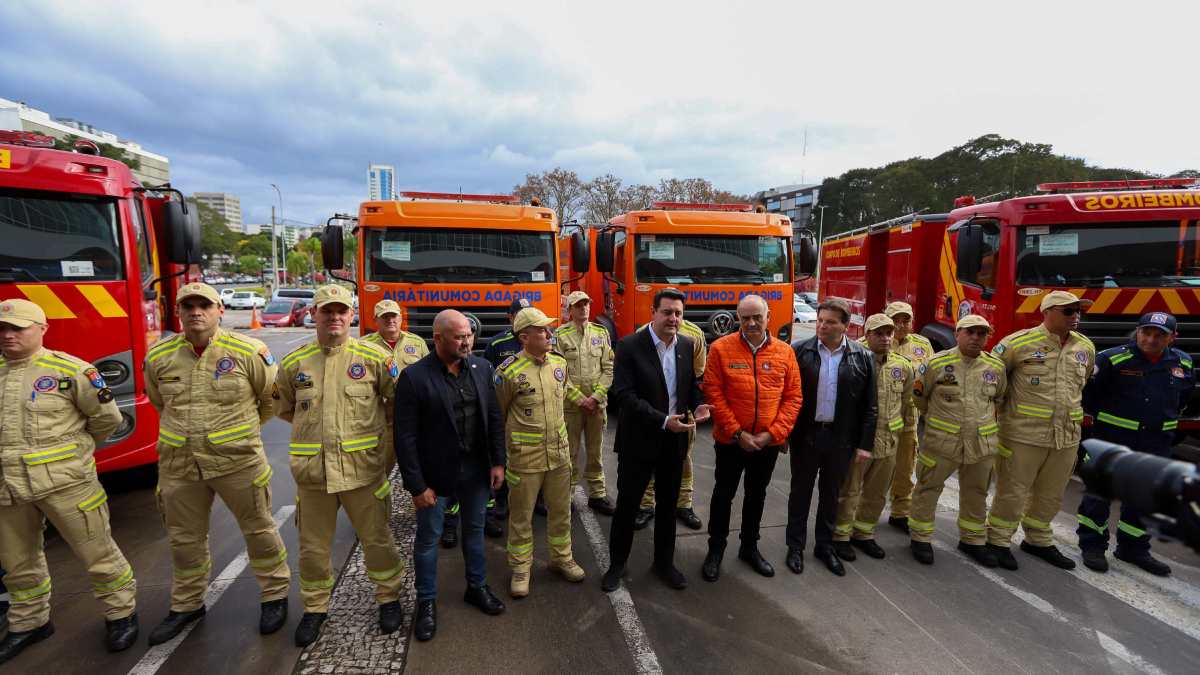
(1070, 311)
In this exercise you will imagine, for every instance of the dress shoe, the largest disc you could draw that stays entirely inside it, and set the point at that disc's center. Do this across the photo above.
(518, 586)
(492, 527)
(426, 620)
(830, 558)
(922, 552)
(1094, 559)
(15, 642)
(309, 628)
(671, 576)
(450, 536)
(643, 518)
(870, 547)
(689, 518)
(173, 625)
(539, 506)
(899, 522)
(272, 616)
(980, 553)
(795, 560)
(759, 564)
(845, 551)
(1050, 554)
(711, 569)
(391, 615)
(602, 505)
(120, 634)
(483, 598)
(612, 579)
(1004, 557)
(1145, 561)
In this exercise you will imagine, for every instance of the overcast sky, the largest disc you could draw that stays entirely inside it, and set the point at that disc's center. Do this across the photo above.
(473, 96)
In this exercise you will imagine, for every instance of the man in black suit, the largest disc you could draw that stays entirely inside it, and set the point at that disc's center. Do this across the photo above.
(449, 442)
(836, 427)
(655, 391)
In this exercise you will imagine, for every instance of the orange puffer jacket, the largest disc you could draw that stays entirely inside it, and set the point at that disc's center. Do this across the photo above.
(751, 391)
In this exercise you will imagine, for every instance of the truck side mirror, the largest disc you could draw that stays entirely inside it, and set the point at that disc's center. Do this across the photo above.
(581, 253)
(806, 256)
(333, 253)
(183, 233)
(970, 251)
(604, 252)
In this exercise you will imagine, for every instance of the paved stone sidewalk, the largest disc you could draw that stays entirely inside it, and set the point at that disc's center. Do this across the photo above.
(350, 641)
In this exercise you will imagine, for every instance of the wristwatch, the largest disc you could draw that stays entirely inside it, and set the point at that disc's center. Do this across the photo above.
(737, 437)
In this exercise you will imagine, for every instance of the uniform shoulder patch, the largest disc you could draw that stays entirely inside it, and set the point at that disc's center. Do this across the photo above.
(901, 357)
(506, 363)
(265, 355)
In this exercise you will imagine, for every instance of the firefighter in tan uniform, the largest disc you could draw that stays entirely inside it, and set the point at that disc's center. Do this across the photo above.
(918, 349)
(54, 410)
(406, 349)
(589, 357)
(683, 506)
(531, 388)
(861, 499)
(334, 391)
(958, 392)
(212, 389)
(1048, 367)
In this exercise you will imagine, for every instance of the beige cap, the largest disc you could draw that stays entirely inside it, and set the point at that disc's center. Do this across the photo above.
(386, 307)
(1058, 299)
(530, 316)
(577, 296)
(898, 307)
(972, 321)
(199, 290)
(333, 293)
(21, 313)
(879, 321)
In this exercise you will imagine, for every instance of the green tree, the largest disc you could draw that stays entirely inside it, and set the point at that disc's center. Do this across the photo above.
(215, 237)
(250, 264)
(256, 244)
(297, 263)
(106, 150)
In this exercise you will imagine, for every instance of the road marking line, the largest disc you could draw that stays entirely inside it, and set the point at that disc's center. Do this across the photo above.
(156, 656)
(302, 338)
(622, 602)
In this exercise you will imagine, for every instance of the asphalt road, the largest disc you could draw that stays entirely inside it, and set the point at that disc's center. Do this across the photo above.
(893, 615)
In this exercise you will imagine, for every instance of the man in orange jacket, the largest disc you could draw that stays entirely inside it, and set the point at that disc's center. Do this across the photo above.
(752, 383)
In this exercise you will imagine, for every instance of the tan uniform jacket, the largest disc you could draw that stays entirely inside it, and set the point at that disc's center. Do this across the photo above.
(335, 398)
(212, 406)
(958, 397)
(894, 385)
(917, 349)
(54, 410)
(409, 348)
(1044, 402)
(589, 356)
(531, 397)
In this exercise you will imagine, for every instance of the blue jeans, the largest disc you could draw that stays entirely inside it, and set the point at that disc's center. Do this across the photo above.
(473, 491)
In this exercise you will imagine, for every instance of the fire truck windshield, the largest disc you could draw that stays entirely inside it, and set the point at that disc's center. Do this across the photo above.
(58, 237)
(1109, 255)
(686, 259)
(471, 256)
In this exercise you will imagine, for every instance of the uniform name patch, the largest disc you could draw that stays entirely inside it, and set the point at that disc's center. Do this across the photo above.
(356, 371)
(739, 366)
(45, 383)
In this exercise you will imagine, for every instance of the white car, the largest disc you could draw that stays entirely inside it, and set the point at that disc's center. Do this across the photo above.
(802, 312)
(245, 300)
(226, 294)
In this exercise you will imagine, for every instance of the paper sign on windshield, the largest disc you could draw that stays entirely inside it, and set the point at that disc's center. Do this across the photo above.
(397, 250)
(662, 250)
(1058, 244)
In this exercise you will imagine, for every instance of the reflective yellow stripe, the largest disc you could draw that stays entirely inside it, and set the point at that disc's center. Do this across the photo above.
(1000, 522)
(1170, 425)
(1120, 358)
(189, 572)
(232, 434)
(299, 355)
(60, 361)
(1121, 422)
(357, 444)
(1005, 452)
(316, 584)
(520, 549)
(23, 594)
(61, 369)
(511, 477)
(516, 367)
(365, 352)
(1029, 521)
(304, 449)
(896, 424)
(989, 429)
(384, 575)
(1076, 415)
(383, 490)
(236, 346)
(1088, 522)
(843, 528)
(942, 425)
(113, 585)
(171, 439)
(926, 460)
(919, 525)
(93, 502)
(971, 525)
(269, 563)
(1130, 529)
(560, 541)
(1034, 411)
(264, 477)
(164, 345)
(161, 353)
(863, 526)
(47, 456)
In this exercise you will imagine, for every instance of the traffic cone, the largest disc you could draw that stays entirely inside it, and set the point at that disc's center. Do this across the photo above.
(255, 324)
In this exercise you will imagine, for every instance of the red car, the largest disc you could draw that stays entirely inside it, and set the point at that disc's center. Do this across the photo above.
(284, 313)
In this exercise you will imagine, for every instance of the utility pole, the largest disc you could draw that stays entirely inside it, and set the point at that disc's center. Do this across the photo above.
(820, 234)
(274, 267)
(281, 220)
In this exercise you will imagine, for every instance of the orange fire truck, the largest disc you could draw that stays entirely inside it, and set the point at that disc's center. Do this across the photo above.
(103, 257)
(715, 253)
(1124, 247)
(432, 251)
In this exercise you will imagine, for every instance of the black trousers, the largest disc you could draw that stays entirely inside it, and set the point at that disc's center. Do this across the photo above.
(732, 461)
(634, 471)
(822, 462)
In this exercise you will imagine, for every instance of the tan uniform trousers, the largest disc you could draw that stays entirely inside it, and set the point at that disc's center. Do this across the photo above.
(316, 518)
(80, 514)
(861, 499)
(686, 483)
(973, 482)
(523, 488)
(902, 480)
(1029, 491)
(591, 428)
(186, 506)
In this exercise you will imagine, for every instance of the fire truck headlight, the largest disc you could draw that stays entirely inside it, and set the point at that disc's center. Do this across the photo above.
(114, 373)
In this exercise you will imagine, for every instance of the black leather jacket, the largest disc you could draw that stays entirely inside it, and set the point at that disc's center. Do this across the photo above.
(856, 409)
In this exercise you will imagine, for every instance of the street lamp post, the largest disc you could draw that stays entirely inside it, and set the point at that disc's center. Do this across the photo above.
(820, 234)
(274, 263)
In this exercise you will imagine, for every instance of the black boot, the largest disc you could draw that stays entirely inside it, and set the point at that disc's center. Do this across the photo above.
(1145, 561)
(391, 615)
(15, 642)
(751, 556)
(899, 522)
(1094, 559)
(309, 628)
(643, 518)
(173, 625)
(980, 553)
(1004, 556)
(711, 569)
(120, 634)
(272, 616)
(845, 551)
(870, 547)
(492, 527)
(1050, 554)
(922, 551)
(426, 621)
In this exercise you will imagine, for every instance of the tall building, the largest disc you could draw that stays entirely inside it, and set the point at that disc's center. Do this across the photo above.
(225, 204)
(255, 228)
(152, 169)
(291, 234)
(794, 201)
(381, 182)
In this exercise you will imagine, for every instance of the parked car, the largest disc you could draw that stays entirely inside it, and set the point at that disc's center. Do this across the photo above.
(294, 293)
(284, 313)
(802, 312)
(809, 298)
(226, 294)
(245, 300)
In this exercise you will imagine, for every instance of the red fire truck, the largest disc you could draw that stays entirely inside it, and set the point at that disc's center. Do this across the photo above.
(1124, 247)
(103, 257)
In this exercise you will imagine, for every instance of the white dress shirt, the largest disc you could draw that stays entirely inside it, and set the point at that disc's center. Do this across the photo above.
(828, 380)
(666, 357)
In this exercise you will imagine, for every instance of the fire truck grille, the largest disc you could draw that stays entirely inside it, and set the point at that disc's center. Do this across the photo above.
(714, 320)
(488, 322)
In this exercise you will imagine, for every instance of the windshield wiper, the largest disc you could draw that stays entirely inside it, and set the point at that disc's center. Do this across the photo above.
(415, 277)
(20, 270)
